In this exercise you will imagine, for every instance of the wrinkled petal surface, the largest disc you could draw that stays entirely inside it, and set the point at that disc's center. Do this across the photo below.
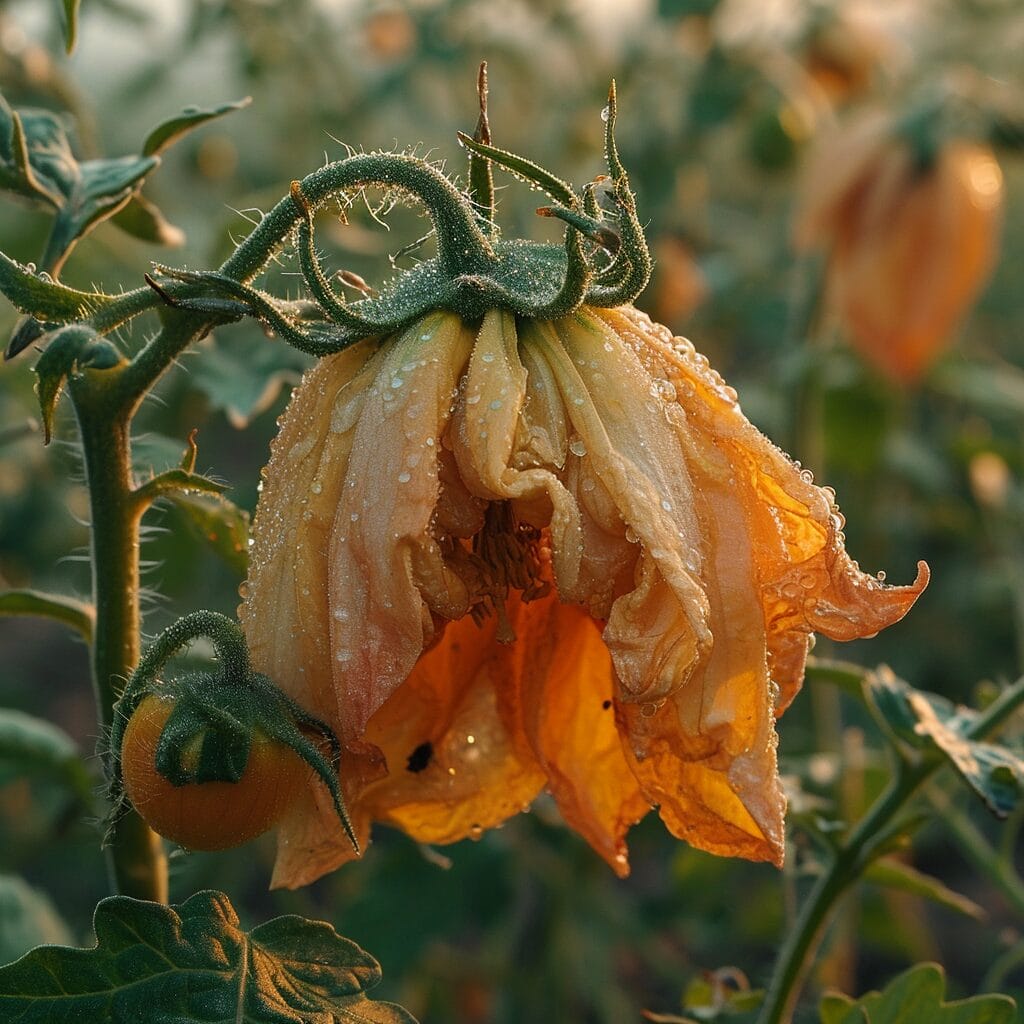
(523, 555)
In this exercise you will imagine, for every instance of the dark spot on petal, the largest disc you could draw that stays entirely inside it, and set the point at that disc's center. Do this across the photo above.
(606, 705)
(420, 757)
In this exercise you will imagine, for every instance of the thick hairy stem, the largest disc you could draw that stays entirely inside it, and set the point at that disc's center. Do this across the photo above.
(136, 857)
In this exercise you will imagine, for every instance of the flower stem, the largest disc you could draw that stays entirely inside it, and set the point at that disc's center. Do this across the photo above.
(854, 856)
(136, 859)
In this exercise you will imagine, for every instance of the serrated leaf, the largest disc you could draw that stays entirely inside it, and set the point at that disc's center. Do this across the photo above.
(994, 772)
(928, 721)
(74, 613)
(219, 522)
(895, 874)
(27, 918)
(141, 218)
(31, 746)
(46, 299)
(916, 996)
(167, 133)
(242, 376)
(887, 696)
(70, 19)
(194, 962)
(833, 1007)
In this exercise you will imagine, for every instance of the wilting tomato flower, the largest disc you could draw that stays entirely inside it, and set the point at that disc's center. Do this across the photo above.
(509, 557)
(911, 238)
(515, 537)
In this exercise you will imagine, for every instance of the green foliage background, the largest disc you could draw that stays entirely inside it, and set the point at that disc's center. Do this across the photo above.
(527, 924)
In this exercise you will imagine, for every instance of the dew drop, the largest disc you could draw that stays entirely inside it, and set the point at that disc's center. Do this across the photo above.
(606, 112)
(343, 656)
(880, 575)
(667, 506)
(404, 478)
(649, 710)
(578, 447)
(472, 399)
(397, 382)
(496, 404)
(488, 357)
(315, 487)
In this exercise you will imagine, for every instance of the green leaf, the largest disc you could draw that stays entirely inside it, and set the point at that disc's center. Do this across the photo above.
(143, 219)
(44, 298)
(916, 997)
(833, 1007)
(27, 134)
(887, 697)
(168, 132)
(930, 722)
(98, 190)
(193, 962)
(70, 12)
(27, 919)
(243, 375)
(895, 874)
(77, 614)
(994, 772)
(31, 746)
(70, 351)
(219, 522)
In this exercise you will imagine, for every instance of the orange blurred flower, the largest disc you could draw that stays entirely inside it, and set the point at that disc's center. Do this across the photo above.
(910, 247)
(543, 555)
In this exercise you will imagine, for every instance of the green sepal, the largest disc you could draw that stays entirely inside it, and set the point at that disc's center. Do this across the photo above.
(208, 734)
(524, 169)
(70, 351)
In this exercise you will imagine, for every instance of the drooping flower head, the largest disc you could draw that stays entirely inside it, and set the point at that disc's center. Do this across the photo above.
(911, 228)
(506, 553)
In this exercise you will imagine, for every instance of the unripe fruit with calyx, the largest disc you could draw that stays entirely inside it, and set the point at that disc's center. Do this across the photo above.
(214, 759)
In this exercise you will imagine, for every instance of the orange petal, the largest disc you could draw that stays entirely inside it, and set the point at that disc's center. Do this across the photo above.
(387, 572)
(284, 613)
(803, 576)
(564, 707)
(454, 767)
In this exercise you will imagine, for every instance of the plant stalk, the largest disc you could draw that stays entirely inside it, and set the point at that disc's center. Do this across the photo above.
(854, 856)
(136, 859)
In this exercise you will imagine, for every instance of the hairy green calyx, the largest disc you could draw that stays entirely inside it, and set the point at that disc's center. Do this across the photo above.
(604, 260)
